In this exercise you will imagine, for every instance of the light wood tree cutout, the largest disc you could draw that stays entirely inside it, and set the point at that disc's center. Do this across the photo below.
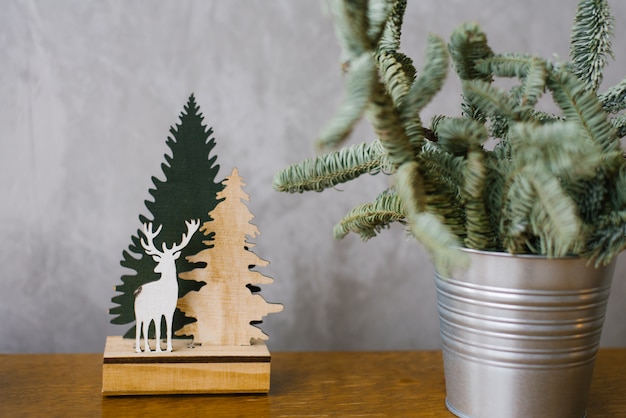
(228, 305)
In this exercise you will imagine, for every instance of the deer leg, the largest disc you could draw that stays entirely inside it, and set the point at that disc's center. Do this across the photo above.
(146, 327)
(157, 333)
(168, 323)
(137, 337)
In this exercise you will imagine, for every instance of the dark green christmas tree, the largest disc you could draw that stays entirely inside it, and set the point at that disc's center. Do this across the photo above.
(189, 191)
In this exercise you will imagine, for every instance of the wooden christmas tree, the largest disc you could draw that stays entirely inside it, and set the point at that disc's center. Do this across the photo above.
(227, 305)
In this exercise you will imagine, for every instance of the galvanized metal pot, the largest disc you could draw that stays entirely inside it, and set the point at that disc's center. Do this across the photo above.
(520, 334)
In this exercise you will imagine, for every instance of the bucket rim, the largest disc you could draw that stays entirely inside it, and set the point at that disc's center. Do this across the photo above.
(511, 255)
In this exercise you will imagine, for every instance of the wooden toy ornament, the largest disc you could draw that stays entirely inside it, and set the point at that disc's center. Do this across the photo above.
(194, 278)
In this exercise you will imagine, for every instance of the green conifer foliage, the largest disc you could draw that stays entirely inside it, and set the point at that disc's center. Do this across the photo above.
(554, 184)
(188, 191)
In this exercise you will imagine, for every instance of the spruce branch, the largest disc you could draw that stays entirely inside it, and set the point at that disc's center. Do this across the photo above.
(395, 75)
(329, 170)
(556, 159)
(426, 227)
(390, 39)
(430, 80)
(369, 219)
(614, 99)
(362, 77)
(499, 127)
(543, 117)
(619, 123)
(423, 89)
(445, 166)
(560, 149)
(590, 41)
(463, 139)
(442, 179)
(410, 187)
(499, 171)
(505, 65)
(607, 239)
(618, 192)
(554, 219)
(443, 200)
(352, 26)
(590, 196)
(468, 45)
(538, 209)
(582, 106)
(378, 14)
(458, 136)
(514, 217)
(385, 120)
(480, 234)
(492, 101)
(531, 70)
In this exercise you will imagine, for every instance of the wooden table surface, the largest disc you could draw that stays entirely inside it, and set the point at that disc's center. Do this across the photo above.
(318, 384)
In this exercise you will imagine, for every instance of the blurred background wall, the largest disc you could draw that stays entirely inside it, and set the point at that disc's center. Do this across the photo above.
(88, 91)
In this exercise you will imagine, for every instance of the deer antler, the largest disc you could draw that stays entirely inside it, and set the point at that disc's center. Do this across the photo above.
(192, 227)
(148, 244)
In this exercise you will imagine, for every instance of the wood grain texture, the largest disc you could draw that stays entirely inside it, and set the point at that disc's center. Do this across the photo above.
(321, 384)
(185, 370)
(225, 306)
(119, 350)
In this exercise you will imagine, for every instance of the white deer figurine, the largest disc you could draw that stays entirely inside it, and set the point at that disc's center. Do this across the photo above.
(159, 298)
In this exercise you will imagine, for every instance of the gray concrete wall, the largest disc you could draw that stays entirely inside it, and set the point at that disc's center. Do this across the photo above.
(88, 91)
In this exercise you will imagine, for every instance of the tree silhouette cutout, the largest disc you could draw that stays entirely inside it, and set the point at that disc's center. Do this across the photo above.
(227, 307)
(189, 191)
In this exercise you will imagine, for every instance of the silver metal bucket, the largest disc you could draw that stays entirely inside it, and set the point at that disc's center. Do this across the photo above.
(520, 334)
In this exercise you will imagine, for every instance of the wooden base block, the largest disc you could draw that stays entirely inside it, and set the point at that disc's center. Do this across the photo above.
(185, 370)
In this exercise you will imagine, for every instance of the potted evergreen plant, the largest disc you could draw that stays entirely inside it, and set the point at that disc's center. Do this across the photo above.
(523, 233)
